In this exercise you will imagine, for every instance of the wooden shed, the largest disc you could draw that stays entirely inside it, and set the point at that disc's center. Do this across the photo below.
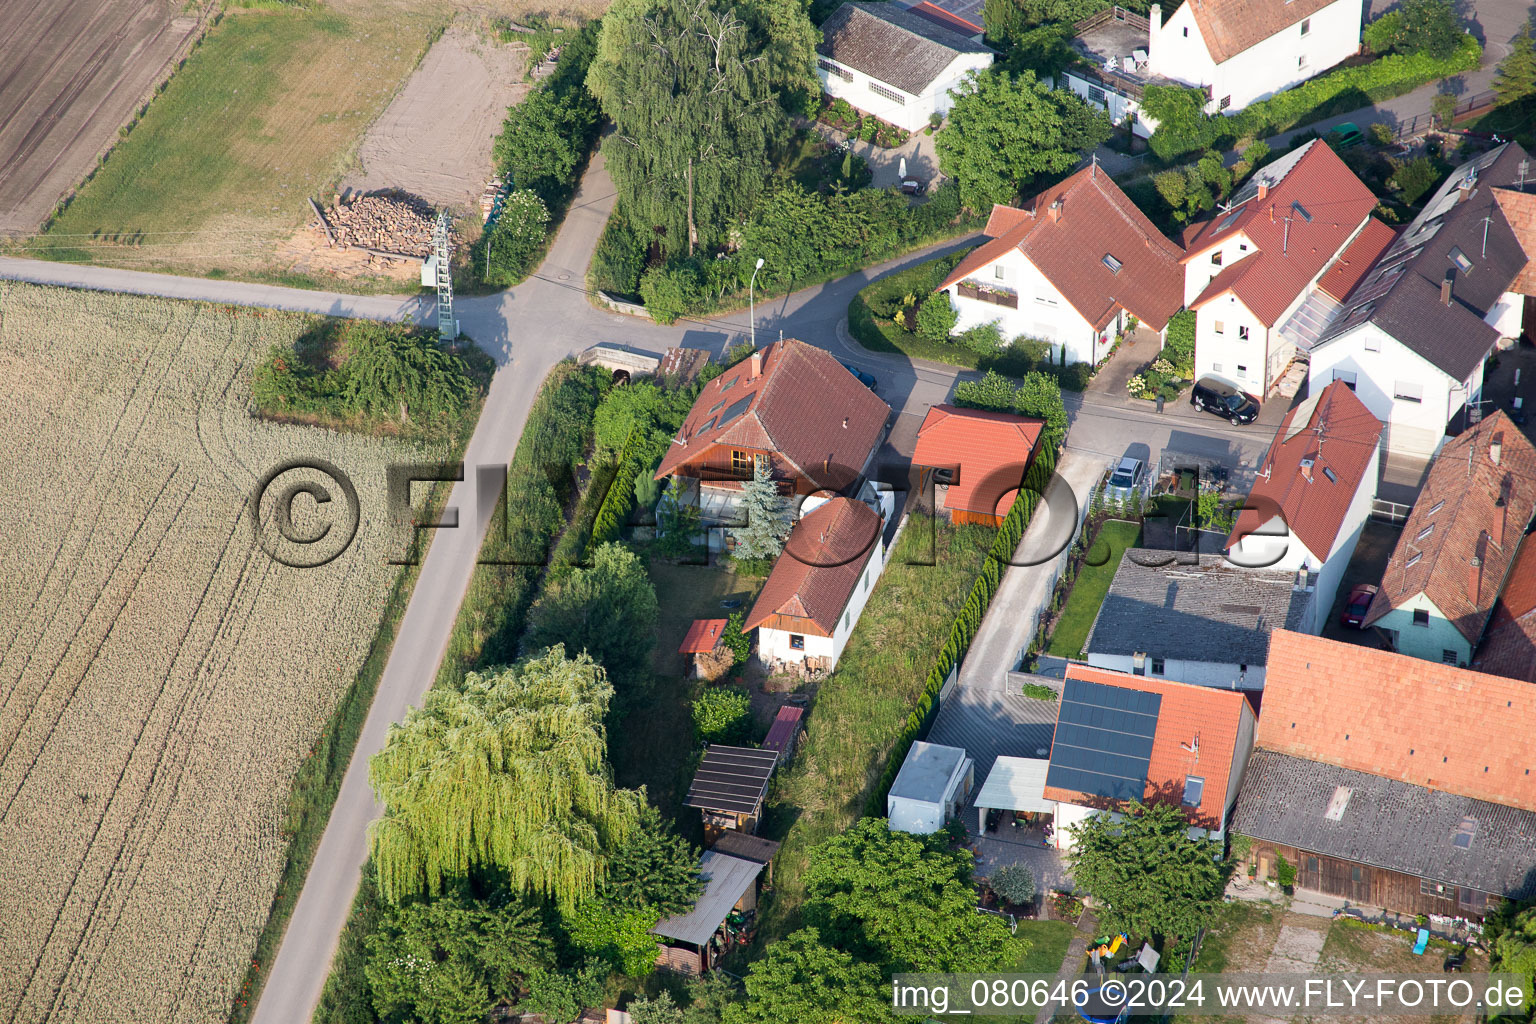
(729, 788)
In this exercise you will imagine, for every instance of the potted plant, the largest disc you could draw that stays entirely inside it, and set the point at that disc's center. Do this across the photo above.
(1285, 874)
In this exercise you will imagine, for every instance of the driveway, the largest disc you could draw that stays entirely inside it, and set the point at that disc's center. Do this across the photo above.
(919, 151)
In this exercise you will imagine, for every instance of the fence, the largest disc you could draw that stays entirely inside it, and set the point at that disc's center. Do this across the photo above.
(1390, 511)
(1420, 123)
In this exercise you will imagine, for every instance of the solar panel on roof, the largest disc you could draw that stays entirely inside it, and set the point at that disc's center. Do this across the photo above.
(1103, 740)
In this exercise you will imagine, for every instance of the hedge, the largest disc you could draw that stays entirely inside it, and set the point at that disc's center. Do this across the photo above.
(621, 494)
(967, 622)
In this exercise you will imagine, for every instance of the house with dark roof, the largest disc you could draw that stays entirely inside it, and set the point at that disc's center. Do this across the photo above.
(1120, 738)
(790, 405)
(1070, 268)
(1253, 273)
(1458, 544)
(1390, 781)
(818, 586)
(1312, 495)
(978, 458)
(1237, 51)
(1195, 619)
(1509, 645)
(1414, 334)
(898, 64)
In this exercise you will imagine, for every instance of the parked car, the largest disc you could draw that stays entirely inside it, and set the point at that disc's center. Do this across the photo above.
(1346, 135)
(1214, 395)
(1357, 604)
(866, 379)
(1125, 482)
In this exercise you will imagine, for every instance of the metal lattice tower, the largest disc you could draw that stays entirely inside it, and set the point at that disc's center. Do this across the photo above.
(442, 253)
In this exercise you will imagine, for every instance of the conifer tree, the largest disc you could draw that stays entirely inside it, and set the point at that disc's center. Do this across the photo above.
(767, 516)
(1517, 72)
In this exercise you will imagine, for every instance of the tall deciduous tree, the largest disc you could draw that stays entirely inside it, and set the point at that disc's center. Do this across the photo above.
(1006, 130)
(507, 772)
(693, 89)
(767, 516)
(609, 611)
(1149, 875)
(801, 980)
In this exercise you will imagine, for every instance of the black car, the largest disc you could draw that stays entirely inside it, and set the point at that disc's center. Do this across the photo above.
(1211, 394)
(866, 379)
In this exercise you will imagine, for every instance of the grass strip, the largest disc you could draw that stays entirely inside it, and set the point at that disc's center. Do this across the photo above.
(1091, 587)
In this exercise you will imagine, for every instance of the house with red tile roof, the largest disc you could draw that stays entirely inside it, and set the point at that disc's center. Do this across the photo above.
(1252, 272)
(1070, 267)
(979, 458)
(813, 597)
(1312, 495)
(1458, 544)
(1391, 781)
(1121, 737)
(1509, 645)
(789, 404)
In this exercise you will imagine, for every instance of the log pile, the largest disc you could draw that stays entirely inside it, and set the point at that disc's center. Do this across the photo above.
(383, 223)
(491, 199)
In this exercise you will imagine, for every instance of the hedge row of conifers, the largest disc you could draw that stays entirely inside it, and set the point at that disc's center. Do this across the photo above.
(968, 621)
(620, 499)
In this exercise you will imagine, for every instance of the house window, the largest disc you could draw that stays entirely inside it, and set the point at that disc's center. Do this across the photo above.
(741, 462)
(1372, 343)
(1436, 507)
(1219, 327)
(1414, 560)
(1216, 258)
(1242, 332)
(1407, 391)
(796, 642)
(1426, 531)
(1045, 299)
(1194, 789)
(1242, 371)
(833, 68)
(1242, 246)
(1436, 889)
(866, 581)
(1226, 101)
(1306, 25)
(1472, 900)
(1301, 63)
(890, 94)
(997, 271)
(1447, 656)
(1096, 95)
(847, 616)
(1186, 32)
(1157, 666)
(1347, 376)
(1215, 367)
(1420, 617)
(1356, 873)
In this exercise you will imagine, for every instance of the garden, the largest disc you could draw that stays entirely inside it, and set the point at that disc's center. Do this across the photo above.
(855, 124)
(1174, 368)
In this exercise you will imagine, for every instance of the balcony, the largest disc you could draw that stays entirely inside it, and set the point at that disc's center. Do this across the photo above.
(987, 293)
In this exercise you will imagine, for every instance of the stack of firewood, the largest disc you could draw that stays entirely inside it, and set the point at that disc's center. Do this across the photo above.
(380, 222)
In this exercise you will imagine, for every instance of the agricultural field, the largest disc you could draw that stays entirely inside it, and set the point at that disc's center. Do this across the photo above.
(71, 73)
(162, 677)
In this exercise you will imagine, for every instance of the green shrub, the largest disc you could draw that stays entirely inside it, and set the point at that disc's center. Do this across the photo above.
(670, 291)
(1038, 692)
(1285, 871)
(936, 317)
(723, 715)
(1414, 178)
(736, 639)
(1015, 883)
(516, 243)
(619, 259)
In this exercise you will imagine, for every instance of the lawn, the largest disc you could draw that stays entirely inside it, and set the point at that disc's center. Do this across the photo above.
(268, 110)
(1091, 586)
(1048, 941)
(860, 710)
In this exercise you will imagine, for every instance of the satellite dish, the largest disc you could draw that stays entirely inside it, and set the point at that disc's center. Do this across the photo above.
(901, 172)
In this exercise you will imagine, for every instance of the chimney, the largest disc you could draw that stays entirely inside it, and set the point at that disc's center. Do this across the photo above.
(1475, 579)
(1445, 288)
(1056, 212)
(755, 367)
(1496, 448)
(1465, 187)
(1264, 194)
(1303, 580)
(1500, 514)
(1306, 468)
(1271, 213)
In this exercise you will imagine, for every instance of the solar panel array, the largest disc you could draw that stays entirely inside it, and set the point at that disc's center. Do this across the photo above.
(1103, 740)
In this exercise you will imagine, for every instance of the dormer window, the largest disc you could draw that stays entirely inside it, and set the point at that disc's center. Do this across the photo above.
(1459, 258)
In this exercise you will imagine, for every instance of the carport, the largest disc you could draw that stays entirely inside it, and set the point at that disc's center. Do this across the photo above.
(1013, 784)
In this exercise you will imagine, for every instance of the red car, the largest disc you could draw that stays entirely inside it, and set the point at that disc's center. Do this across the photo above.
(1357, 605)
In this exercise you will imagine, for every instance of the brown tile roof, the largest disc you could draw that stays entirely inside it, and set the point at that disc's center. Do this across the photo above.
(1356, 260)
(1187, 716)
(1096, 220)
(1520, 211)
(1290, 250)
(1339, 435)
(804, 404)
(1509, 648)
(1231, 26)
(893, 45)
(1403, 718)
(1469, 508)
(991, 450)
(822, 560)
(702, 636)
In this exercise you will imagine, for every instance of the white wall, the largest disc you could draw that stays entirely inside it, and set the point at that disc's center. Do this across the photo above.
(1220, 675)
(1119, 105)
(1413, 428)
(1273, 65)
(773, 645)
(1428, 642)
(1202, 268)
(917, 816)
(1240, 752)
(1226, 354)
(1507, 314)
(912, 111)
(1043, 311)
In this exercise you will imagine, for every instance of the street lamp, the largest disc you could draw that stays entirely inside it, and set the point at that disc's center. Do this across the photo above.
(752, 301)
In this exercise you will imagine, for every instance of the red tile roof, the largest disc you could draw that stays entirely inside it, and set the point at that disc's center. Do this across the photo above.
(1187, 713)
(1460, 538)
(1096, 220)
(1338, 434)
(702, 636)
(804, 404)
(1401, 718)
(1230, 27)
(991, 450)
(782, 732)
(945, 19)
(1509, 648)
(820, 567)
(1290, 251)
(1356, 259)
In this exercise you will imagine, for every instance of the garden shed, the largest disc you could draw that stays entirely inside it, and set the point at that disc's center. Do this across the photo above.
(729, 788)
(704, 650)
(695, 940)
(931, 787)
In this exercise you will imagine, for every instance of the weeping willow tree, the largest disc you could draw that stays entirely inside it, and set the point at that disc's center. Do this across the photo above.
(393, 372)
(506, 771)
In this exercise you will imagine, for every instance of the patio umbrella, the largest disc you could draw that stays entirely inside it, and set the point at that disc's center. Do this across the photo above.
(902, 170)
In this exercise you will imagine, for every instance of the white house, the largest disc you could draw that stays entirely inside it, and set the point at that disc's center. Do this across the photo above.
(1414, 335)
(1252, 273)
(1121, 738)
(1238, 51)
(1070, 268)
(887, 61)
(1195, 618)
(1458, 544)
(813, 597)
(1312, 496)
(931, 788)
